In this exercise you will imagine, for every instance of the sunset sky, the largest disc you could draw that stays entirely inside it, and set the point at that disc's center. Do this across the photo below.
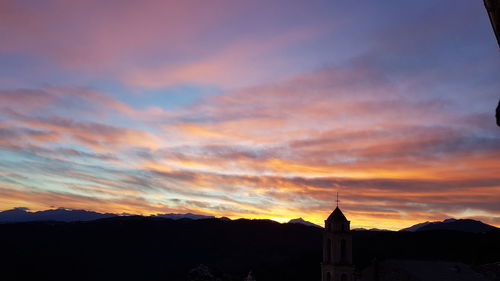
(253, 109)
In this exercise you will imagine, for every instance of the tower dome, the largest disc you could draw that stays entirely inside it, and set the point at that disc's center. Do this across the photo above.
(336, 216)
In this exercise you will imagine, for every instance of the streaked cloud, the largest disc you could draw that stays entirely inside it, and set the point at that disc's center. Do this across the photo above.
(295, 103)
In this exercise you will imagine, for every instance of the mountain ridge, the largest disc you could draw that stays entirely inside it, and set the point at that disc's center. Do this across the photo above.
(464, 225)
(303, 222)
(23, 214)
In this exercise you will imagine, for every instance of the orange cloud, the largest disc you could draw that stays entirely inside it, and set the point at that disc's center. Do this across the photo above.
(279, 151)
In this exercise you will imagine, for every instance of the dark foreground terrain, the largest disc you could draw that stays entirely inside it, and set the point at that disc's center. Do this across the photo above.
(138, 248)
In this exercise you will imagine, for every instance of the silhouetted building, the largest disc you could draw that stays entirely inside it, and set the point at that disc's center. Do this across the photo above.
(337, 248)
(493, 9)
(498, 114)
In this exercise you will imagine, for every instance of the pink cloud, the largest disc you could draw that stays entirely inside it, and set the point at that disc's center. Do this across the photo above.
(155, 43)
(95, 38)
(97, 136)
(241, 63)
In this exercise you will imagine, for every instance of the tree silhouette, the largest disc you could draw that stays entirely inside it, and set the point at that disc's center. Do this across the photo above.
(201, 273)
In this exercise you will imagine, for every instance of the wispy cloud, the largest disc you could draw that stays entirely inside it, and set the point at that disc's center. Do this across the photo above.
(306, 99)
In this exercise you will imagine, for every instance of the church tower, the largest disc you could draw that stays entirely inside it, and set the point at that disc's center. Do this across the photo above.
(337, 248)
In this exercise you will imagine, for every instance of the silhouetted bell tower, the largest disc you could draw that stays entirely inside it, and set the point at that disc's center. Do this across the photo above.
(337, 248)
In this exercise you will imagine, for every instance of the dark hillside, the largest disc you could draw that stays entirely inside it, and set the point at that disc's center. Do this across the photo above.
(138, 248)
(157, 249)
(444, 245)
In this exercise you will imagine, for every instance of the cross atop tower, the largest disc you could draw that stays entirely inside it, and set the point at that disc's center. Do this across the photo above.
(337, 198)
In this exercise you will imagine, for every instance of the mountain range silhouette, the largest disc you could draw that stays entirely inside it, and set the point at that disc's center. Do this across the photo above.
(157, 248)
(22, 214)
